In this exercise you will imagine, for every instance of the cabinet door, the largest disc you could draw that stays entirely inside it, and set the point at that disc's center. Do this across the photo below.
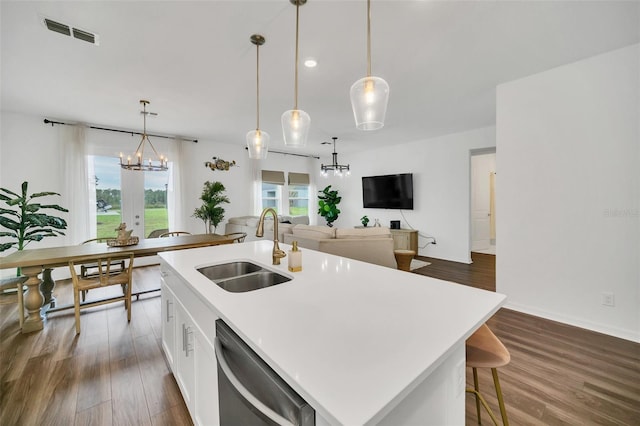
(185, 365)
(400, 241)
(168, 323)
(206, 393)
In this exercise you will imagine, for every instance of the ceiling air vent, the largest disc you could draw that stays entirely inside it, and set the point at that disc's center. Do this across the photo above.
(69, 30)
(83, 35)
(57, 27)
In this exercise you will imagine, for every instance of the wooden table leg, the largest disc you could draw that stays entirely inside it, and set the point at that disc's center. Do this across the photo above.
(33, 300)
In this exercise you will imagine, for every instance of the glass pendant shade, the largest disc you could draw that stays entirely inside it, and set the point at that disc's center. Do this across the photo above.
(369, 97)
(258, 144)
(295, 127)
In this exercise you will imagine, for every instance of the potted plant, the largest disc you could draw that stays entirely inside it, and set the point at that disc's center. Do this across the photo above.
(328, 201)
(25, 220)
(365, 220)
(210, 212)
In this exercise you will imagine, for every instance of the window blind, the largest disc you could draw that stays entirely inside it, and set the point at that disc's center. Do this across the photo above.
(298, 178)
(274, 177)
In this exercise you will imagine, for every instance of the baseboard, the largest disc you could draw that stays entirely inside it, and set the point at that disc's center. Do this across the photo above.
(621, 333)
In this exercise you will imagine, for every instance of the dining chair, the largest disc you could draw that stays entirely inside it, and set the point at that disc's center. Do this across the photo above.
(157, 232)
(104, 277)
(236, 237)
(485, 350)
(91, 269)
(174, 234)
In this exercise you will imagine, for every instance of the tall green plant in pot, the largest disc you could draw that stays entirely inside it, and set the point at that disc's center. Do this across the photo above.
(210, 212)
(24, 219)
(328, 201)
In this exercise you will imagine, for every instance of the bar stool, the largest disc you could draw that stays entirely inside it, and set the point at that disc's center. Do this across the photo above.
(485, 350)
(403, 259)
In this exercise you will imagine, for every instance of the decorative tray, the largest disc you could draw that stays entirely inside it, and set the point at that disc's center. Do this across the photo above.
(131, 241)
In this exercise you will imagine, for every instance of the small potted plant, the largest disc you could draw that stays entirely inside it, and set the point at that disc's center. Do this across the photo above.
(365, 220)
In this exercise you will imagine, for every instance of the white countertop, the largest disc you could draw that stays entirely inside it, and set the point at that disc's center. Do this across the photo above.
(350, 337)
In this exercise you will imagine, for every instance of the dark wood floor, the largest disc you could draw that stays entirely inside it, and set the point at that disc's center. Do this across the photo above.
(114, 372)
(559, 374)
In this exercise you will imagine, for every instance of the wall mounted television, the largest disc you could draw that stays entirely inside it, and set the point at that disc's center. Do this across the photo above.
(388, 191)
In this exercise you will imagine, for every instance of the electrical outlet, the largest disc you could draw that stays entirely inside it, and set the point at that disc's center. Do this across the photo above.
(608, 298)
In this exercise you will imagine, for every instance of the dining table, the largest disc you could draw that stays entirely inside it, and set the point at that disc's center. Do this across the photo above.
(33, 262)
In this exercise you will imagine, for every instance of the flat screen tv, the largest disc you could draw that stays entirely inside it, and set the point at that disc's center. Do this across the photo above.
(388, 191)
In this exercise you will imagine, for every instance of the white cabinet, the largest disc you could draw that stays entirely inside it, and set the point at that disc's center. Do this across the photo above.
(188, 332)
(168, 323)
(185, 366)
(206, 386)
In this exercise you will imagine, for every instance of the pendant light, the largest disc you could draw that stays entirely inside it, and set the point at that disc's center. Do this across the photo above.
(257, 140)
(156, 164)
(295, 122)
(369, 95)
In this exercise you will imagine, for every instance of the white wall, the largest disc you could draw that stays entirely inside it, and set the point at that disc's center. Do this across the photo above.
(30, 150)
(441, 180)
(568, 154)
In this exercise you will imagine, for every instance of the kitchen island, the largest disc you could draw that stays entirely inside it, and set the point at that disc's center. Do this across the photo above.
(361, 343)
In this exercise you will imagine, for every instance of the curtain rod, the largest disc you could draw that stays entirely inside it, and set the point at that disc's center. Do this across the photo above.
(291, 153)
(130, 132)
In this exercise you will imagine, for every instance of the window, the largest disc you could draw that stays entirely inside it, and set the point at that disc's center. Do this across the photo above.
(298, 200)
(292, 199)
(271, 195)
(298, 194)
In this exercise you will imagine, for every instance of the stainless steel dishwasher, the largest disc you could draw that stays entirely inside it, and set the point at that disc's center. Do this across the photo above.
(249, 391)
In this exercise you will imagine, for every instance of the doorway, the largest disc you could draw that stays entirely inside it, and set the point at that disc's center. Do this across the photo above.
(483, 187)
(136, 198)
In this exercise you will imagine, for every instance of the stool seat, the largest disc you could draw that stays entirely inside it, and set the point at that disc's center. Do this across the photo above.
(403, 259)
(485, 350)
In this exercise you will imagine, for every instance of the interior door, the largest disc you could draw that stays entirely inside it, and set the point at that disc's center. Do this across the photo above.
(482, 170)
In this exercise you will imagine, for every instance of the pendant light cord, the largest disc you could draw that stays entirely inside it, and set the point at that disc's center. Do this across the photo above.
(257, 87)
(368, 38)
(295, 107)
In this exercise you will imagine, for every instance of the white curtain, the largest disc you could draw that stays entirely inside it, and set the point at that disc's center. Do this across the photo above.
(175, 189)
(76, 182)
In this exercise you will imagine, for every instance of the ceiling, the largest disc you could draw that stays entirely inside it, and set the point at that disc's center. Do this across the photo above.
(194, 62)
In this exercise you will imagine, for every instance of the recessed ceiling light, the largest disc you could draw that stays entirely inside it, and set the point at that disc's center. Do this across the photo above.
(310, 63)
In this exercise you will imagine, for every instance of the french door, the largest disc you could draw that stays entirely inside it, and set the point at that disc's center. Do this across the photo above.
(136, 198)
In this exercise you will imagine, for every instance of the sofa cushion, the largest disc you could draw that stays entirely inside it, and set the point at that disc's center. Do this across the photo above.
(369, 232)
(317, 232)
(245, 220)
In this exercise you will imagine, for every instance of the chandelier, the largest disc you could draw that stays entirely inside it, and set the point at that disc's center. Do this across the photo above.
(337, 169)
(157, 164)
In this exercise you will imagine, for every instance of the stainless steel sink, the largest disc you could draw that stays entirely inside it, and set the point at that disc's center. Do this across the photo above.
(228, 270)
(252, 281)
(241, 276)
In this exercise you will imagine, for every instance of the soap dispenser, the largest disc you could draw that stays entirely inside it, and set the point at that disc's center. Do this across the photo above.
(295, 258)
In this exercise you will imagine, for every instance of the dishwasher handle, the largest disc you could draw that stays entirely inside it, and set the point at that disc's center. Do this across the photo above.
(248, 396)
